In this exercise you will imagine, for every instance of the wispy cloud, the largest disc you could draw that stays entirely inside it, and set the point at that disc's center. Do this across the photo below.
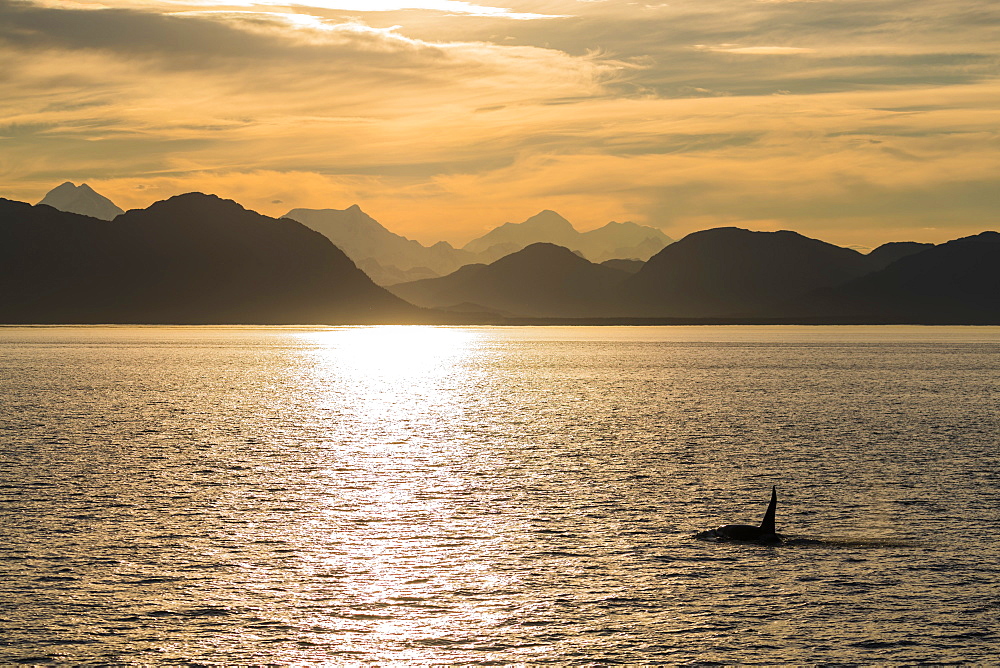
(444, 6)
(851, 118)
(756, 50)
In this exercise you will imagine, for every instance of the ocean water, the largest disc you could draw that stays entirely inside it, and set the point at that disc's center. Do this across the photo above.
(495, 496)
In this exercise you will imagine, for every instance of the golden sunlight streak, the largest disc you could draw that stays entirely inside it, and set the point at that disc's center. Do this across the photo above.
(407, 375)
(393, 352)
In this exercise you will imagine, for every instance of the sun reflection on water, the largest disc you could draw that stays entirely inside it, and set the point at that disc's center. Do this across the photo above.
(397, 352)
(396, 386)
(391, 530)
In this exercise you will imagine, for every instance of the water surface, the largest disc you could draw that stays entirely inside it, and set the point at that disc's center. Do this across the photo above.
(497, 495)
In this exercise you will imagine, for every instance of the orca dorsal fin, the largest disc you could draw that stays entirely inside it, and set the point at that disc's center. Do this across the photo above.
(767, 524)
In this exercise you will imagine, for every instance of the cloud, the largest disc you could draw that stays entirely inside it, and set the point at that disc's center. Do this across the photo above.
(756, 50)
(112, 91)
(445, 6)
(449, 6)
(681, 165)
(850, 119)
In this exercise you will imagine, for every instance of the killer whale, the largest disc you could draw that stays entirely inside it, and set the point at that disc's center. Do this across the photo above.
(745, 533)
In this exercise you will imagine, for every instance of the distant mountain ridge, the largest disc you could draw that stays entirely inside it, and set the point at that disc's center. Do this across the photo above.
(886, 254)
(191, 259)
(626, 241)
(735, 274)
(197, 258)
(540, 280)
(622, 241)
(390, 258)
(385, 256)
(730, 271)
(544, 227)
(81, 199)
(957, 282)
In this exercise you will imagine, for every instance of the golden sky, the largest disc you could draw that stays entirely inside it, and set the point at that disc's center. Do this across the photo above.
(853, 121)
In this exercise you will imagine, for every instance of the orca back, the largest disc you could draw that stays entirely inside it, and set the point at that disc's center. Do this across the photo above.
(767, 524)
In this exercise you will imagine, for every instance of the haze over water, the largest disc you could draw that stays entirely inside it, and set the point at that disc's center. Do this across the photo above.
(497, 495)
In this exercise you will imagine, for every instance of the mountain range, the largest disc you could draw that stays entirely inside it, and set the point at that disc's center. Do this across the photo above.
(390, 258)
(613, 241)
(385, 256)
(190, 259)
(732, 274)
(955, 282)
(541, 280)
(197, 258)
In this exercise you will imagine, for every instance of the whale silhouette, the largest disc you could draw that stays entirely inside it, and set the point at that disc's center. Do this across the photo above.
(745, 533)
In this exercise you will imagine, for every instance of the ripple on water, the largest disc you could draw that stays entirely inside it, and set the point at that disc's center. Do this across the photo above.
(253, 496)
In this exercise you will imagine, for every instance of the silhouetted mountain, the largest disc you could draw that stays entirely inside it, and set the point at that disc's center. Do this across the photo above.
(545, 227)
(628, 266)
(614, 240)
(81, 199)
(390, 258)
(735, 272)
(385, 256)
(888, 253)
(542, 280)
(391, 275)
(627, 241)
(191, 259)
(955, 282)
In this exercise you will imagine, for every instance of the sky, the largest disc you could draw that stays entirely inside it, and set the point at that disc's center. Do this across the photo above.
(853, 121)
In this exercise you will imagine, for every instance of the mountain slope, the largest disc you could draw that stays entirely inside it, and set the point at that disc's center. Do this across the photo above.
(191, 259)
(628, 266)
(386, 256)
(886, 254)
(544, 227)
(390, 258)
(735, 272)
(81, 199)
(613, 241)
(954, 282)
(541, 280)
(626, 241)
